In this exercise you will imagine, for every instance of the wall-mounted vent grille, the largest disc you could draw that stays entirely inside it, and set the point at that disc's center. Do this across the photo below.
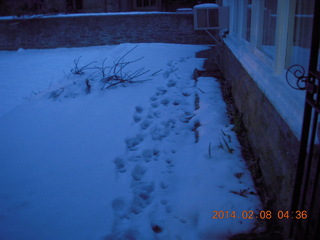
(211, 16)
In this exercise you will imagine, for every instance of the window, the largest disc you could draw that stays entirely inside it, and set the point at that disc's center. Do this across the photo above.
(279, 29)
(145, 4)
(73, 5)
(298, 51)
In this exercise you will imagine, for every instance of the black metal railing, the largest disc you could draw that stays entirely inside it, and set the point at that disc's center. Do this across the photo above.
(306, 193)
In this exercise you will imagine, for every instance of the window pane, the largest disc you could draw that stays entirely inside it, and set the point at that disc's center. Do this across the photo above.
(300, 48)
(269, 27)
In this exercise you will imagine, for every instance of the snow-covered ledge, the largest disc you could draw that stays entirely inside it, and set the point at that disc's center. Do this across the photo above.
(288, 102)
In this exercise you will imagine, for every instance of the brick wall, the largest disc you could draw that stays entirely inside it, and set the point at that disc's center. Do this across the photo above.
(79, 31)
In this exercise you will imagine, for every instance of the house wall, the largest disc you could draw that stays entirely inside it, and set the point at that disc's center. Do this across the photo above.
(80, 31)
(271, 110)
(273, 142)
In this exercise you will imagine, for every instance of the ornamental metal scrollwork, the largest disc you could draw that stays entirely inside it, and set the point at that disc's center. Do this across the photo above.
(297, 78)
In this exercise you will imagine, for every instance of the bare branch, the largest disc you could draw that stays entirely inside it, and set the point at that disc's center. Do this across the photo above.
(77, 70)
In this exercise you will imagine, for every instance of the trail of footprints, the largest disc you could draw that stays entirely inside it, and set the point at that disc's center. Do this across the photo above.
(159, 125)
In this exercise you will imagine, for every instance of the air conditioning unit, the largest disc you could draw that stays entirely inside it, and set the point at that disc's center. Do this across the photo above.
(210, 16)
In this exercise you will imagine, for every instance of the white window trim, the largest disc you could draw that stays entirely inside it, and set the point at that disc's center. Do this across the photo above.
(268, 73)
(256, 24)
(233, 18)
(242, 18)
(289, 50)
(284, 33)
(284, 30)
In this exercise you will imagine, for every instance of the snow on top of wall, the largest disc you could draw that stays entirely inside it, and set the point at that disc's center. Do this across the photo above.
(185, 10)
(288, 102)
(86, 15)
(206, 5)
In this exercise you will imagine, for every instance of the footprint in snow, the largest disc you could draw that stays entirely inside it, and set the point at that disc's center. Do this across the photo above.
(153, 98)
(161, 91)
(142, 196)
(165, 101)
(119, 205)
(169, 168)
(186, 93)
(135, 158)
(170, 165)
(157, 114)
(120, 165)
(145, 124)
(136, 118)
(150, 154)
(161, 131)
(164, 202)
(133, 142)
(182, 220)
(139, 109)
(158, 133)
(164, 185)
(138, 172)
(156, 154)
(154, 104)
(147, 155)
(137, 113)
(178, 101)
(169, 63)
(168, 209)
(170, 123)
(171, 83)
(183, 59)
(186, 117)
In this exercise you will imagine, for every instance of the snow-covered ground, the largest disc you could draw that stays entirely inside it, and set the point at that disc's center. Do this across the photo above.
(141, 161)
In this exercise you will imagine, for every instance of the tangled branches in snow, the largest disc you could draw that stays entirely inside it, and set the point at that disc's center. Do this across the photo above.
(105, 76)
(117, 73)
(79, 70)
